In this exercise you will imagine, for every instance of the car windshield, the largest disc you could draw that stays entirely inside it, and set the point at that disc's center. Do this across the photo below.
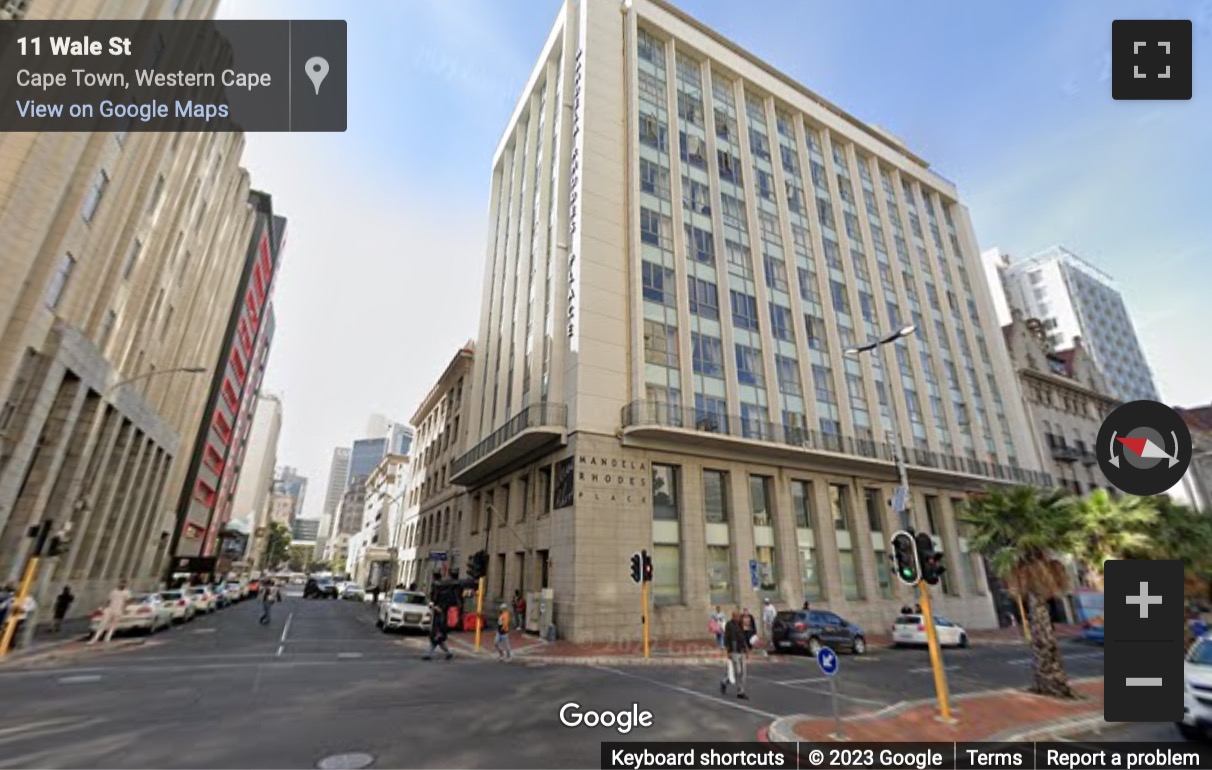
(197, 591)
(1201, 653)
(908, 620)
(141, 599)
(171, 595)
(404, 597)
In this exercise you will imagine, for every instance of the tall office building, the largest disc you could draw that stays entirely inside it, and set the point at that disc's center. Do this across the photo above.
(118, 247)
(204, 506)
(338, 479)
(256, 483)
(291, 483)
(364, 456)
(1075, 299)
(683, 242)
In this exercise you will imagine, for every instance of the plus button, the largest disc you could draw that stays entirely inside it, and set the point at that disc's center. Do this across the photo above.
(1144, 600)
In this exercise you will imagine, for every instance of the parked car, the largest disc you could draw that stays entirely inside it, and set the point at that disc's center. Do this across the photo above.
(911, 630)
(222, 597)
(203, 599)
(1197, 691)
(353, 592)
(237, 591)
(180, 604)
(323, 588)
(810, 630)
(254, 587)
(403, 610)
(144, 612)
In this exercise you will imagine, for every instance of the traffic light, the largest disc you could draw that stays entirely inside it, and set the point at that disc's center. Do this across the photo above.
(636, 567)
(477, 565)
(904, 559)
(930, 559)
(647, 566)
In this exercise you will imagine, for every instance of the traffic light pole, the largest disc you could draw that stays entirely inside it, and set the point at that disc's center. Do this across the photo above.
(479, 610)
(644, 616)
(16, 608)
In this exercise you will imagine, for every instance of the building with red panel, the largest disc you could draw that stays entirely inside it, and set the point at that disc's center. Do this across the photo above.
(205, 506)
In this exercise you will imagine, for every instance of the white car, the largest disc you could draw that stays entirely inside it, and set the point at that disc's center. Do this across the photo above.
(405, 610)
(144, 612)
(181, 606)
(353, 592)
(203, 599)
(911, 630)
(1197, 691)
(237, 590)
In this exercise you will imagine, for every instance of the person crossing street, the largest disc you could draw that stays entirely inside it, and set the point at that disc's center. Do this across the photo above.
(736, 643)
(437, 635)
(115, 608)
(504, 651)
(268, 594)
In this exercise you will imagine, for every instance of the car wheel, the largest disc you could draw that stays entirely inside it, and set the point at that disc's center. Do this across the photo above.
(859, 646)
(378, 622)
(963, 643)
(814, 646)
(1190, 732)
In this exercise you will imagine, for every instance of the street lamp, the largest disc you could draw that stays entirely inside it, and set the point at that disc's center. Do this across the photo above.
(146, 375)
(878, 346)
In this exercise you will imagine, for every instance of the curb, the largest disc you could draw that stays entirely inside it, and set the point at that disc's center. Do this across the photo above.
(57, 653)
(1062, 727)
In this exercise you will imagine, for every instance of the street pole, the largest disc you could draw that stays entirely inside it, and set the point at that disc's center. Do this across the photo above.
(17, 605)
(479, 610)
(644, 614)
(941, 690)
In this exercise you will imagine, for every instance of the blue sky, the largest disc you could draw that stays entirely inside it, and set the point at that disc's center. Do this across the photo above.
(1010, 100)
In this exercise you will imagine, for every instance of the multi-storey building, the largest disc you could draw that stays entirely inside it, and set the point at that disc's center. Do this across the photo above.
(365, 456)
(372, 554)
(1066, 401)
(205, 502)
(1075, 299)
(294, 485)
(683, 244)
(304, 530)
(120, 249)
(256, 483)
(338, 479)
(1195, 489)
(435, 507)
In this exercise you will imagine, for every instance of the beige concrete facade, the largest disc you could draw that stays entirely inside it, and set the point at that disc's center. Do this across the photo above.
(659, 290)
(121, 257)
(1067, 400)
(435, 509)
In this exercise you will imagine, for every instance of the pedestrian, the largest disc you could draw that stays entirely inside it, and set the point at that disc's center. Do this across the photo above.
(7, 594)
(519, 606)
(906, 610)
(715, 624)
(111, 617)
(750, 626)
(807, 606)
(504, 652)
(917, 609)
(63, 603)
(437, 635)
(736, 643)
(267, 603)
(769, 613)
(375, 594)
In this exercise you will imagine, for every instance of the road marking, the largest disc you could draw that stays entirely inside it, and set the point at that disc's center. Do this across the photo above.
(349, 654)
(285, 631)
(35, 725)
(801, 681)
(204, 630)
(930, 669)
(1065, 657)
(695, 693)
(80, 679)
(37, 730)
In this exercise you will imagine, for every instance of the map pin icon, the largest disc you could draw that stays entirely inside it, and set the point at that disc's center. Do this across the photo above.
(317, 70)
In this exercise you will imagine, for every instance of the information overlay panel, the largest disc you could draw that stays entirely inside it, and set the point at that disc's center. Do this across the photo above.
(907, 756)
(173, 76)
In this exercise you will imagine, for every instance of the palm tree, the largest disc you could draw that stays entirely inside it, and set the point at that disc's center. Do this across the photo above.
(1111, 528)
(1019, 532)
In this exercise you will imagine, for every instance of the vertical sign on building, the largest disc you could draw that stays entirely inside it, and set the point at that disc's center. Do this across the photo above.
(574, 179)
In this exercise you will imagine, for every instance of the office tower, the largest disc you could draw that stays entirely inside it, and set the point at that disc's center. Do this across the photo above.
(1075, 299)
(675, 268)
(304, 530)
(118, 247)
(291, 483)
(255, 486)
(364, 456)
(205, 502)
(338, 479)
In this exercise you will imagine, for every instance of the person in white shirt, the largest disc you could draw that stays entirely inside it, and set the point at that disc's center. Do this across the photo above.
(769, 613)
(115, 608)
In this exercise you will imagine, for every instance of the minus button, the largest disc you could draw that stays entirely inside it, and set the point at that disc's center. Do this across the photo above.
(1143, 681)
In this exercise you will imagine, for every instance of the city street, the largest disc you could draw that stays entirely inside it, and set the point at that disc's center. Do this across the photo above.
(321, 680)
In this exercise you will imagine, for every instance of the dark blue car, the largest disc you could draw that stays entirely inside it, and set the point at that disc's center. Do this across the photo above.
(810, 630)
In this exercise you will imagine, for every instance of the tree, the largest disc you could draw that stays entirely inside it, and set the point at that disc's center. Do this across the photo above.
(1020, 532)
(1183, 533)
(319, 566)
(1111, 528)
(277, 545)
(300, 555)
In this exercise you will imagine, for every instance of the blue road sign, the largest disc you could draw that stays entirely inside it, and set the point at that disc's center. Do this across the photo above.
(827, 660)
(437, 556)
(753, 572)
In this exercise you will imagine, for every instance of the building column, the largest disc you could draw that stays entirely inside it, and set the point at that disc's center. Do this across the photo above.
(141, 532)
(741, 537)
(127, 506)
(692, 533)
(787, 546)
(105, 438)
(861, 543)
(831, 570)
(111, 481)
(64, 505)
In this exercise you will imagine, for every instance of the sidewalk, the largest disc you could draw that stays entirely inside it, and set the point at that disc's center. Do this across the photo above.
(998, 715)
(532, 648)
(68, 642)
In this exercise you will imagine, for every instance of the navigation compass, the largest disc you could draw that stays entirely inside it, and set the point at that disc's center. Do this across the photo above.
(1144, 448)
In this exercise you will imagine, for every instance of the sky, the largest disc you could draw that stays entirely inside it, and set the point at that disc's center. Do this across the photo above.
(1010, 100)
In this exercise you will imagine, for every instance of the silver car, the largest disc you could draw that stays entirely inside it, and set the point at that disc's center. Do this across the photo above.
(405, 610)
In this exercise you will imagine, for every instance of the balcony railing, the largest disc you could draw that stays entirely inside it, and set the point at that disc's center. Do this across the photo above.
(660, 414)
(541, 415)
(1065, 453)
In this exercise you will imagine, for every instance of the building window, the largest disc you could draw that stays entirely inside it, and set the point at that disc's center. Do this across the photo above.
(504, 509)
(719, 574)
(761, 500)
(524, 483)
(544, 491)
(92, 198)
(715, 496)
(107, 329)
(58, 282)
(666, 536)
(132, 258)
(810, 567)
(968, 559)
(839, 503)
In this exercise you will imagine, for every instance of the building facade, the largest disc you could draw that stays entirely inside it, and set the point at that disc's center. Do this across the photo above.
(304, 530)
(252, 498)
(683, 243)
(119, 247)
(205, 502)
(1196, 486)
(372, 553)
(1066, 401)
(364, 456)
(338, 479)
(1075, 299)
(436, 507)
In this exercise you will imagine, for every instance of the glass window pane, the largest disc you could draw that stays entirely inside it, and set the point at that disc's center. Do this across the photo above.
(719, 574)
(850, 581)
(664, 492)
(715, 497)
(810, 573)
(767, 572)
(801, 503)
(666, 574)
(759, 500)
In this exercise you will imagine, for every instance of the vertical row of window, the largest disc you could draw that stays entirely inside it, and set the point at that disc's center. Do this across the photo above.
(668, 510)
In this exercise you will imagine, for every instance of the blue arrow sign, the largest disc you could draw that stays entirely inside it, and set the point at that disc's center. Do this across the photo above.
(827, 660)
(753, 572)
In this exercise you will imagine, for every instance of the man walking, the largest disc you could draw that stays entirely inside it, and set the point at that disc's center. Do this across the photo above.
(267, 602)
(63, 603)
(437, 635)
(769, 613)
(736, 643)
(115, 608)
(504, 651)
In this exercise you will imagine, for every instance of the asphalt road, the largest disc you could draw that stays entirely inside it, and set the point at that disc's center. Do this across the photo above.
(320, 680)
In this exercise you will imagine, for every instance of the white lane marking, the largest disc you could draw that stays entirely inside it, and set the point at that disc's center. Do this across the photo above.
(1064, 656)
(204, 630)
(80, 679)
(687, 691)
(44, 729)
(801, 681)
(285, 631)
(929, 669)
(35, 725)
(349, 654)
